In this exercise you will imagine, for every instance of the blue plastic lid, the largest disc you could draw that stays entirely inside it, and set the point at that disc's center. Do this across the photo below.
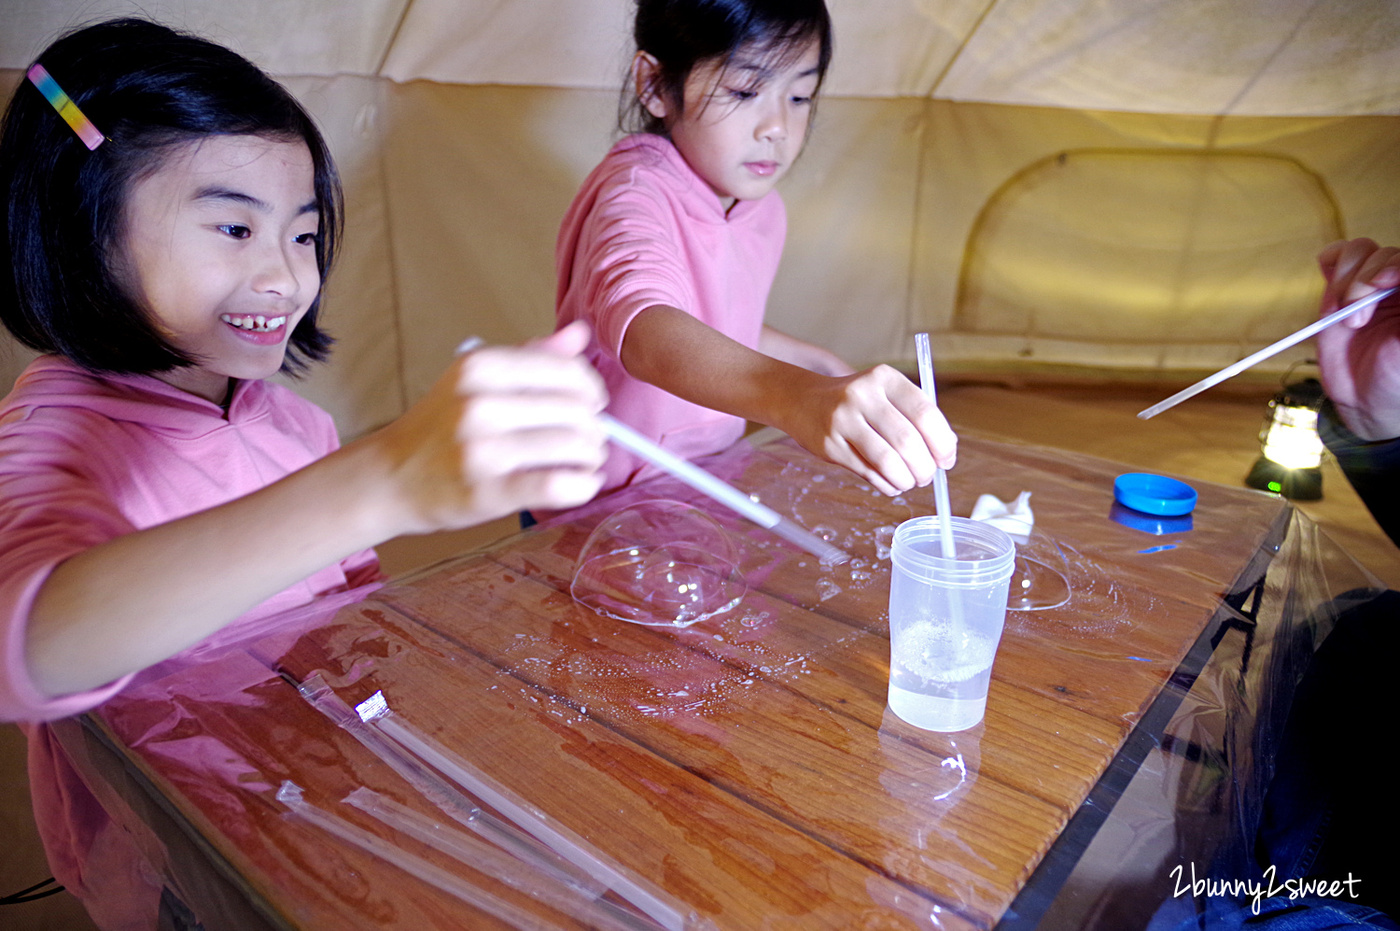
(1154, 494)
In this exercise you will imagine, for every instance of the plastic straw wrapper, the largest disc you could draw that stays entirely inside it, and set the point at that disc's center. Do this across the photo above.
(597, 912)
(290, 794)
(940, 477)
(656, 903)
(725, 494)
(437, 790)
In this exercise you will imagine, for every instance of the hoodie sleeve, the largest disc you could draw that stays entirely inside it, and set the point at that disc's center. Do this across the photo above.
(620, 251)
(50, 510)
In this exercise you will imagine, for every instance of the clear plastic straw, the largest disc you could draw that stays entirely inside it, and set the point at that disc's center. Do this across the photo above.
(656, 903)
(596, 912)
(445, 796)
(290, 794)
(1229, 371)
(725, 494)
(702, 481)
(940, 478)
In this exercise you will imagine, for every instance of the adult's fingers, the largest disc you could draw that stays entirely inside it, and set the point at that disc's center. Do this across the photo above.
(1353, 269)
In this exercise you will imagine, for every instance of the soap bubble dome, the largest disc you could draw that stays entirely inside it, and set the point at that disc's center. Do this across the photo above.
(659, 563)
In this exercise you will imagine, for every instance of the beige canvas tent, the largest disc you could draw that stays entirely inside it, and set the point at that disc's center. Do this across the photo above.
(1133, 185)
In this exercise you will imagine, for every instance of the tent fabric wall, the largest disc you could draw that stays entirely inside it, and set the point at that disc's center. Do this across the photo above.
(1150, 277)
(1112, 183)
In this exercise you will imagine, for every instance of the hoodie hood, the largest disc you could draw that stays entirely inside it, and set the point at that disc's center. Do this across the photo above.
(55, 382)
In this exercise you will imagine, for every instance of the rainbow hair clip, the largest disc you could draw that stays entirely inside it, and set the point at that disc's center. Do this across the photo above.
(65, 106)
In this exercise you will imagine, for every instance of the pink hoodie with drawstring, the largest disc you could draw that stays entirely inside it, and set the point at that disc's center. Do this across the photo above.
(85, 458)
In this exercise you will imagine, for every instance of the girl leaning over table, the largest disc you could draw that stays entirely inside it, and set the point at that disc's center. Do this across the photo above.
(671, 246)
(171, 214)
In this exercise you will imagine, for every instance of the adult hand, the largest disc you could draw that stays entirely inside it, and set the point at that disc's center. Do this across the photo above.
(1360, 356)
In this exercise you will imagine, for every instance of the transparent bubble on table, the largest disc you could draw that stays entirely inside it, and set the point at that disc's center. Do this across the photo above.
(659, 563)
(1040, 579)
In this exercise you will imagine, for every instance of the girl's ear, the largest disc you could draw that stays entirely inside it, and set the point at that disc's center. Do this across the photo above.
(645, 72)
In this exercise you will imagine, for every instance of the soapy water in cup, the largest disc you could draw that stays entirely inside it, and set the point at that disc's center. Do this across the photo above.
(939, 675)
(935, 651)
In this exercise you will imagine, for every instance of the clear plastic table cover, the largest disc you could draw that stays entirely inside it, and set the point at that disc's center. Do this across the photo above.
(471, 746)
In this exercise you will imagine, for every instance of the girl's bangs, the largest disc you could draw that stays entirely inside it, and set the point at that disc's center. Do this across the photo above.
(780, 48)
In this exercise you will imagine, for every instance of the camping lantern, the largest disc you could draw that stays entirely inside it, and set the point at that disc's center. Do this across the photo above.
(1291, 458)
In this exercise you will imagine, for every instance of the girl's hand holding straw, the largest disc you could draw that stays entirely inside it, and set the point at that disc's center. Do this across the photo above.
(502, 430)
(505, 429)
(876, 423)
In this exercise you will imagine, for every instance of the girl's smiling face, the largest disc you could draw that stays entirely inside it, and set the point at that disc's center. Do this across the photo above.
(219, 247)
(743, 121)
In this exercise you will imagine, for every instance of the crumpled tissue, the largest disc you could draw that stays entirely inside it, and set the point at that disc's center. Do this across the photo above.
(1015, 518)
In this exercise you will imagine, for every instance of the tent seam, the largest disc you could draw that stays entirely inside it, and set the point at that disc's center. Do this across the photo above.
(393, 39)
(962, 47)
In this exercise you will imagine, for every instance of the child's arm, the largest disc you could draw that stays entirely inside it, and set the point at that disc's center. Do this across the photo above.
(1360, 356)
(503, 429)
(876, 423)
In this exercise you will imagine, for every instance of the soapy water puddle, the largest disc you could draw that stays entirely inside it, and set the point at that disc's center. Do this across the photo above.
(1048, 575)
(810, 499)
(1102, 607)
(1039, 580)
(695, 672)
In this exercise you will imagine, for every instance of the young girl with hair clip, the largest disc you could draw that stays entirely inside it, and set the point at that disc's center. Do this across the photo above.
(171, 214)
(672, 244)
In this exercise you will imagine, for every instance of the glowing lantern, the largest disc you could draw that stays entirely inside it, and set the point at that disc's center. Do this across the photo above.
(1290, 463)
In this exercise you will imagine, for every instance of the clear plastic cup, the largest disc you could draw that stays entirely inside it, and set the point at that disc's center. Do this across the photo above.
(946, 617)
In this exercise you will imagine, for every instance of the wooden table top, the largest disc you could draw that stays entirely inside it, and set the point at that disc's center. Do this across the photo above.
(745, 769)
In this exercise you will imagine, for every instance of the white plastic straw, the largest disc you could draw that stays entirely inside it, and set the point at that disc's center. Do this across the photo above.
(940, 478)
(290, 794)
(594, 911)
(462, 809)
(725, 494)
(656, 903)
(707, 484)
(1230, 371)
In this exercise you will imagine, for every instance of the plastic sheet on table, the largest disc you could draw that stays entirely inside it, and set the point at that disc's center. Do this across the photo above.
(746, 767)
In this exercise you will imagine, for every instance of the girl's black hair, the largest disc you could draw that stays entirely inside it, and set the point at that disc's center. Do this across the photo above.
(681, 34)
(147, 88)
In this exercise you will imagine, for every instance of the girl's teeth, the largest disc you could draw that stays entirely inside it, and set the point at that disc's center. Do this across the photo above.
(253, 322)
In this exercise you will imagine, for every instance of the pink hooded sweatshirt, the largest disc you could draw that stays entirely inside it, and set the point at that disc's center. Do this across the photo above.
(85, 458)
(646, 230)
